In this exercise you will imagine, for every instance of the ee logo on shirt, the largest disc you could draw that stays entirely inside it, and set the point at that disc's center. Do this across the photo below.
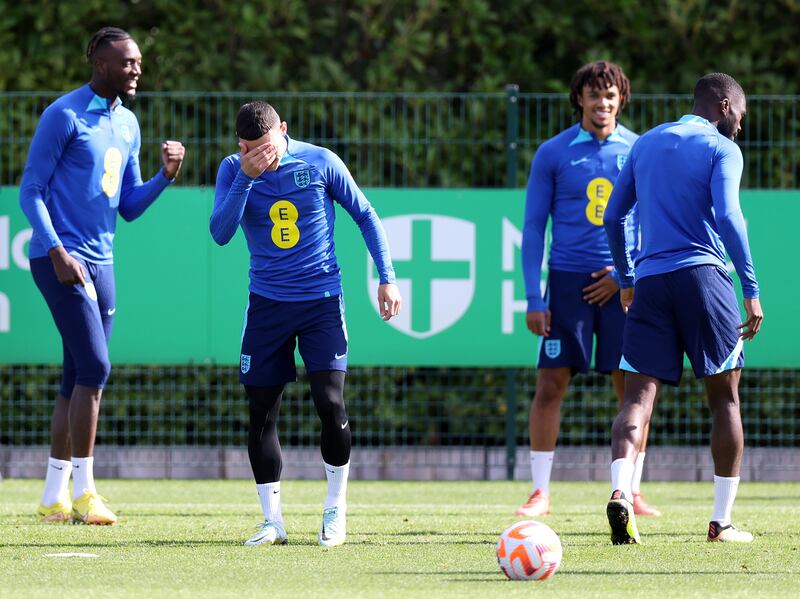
(112, 164)
(285, 233)
(598, 191)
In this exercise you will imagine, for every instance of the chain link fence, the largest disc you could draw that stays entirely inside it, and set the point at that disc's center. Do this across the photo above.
(466, 422)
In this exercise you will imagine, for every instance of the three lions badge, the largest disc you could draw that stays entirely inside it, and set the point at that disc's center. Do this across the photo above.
(302, 178)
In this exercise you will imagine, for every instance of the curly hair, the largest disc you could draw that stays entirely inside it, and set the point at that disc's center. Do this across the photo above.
(601, 75)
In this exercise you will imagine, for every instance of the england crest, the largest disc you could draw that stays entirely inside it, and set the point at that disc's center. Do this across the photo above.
(245, 364)
(302, 178)
(552, 347)
(621, 160)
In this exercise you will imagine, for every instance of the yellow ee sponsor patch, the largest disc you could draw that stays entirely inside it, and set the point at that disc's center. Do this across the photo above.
(285, 233)
(112, 165)
(598, 191)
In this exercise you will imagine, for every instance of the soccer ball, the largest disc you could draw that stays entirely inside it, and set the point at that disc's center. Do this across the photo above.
(528, 550)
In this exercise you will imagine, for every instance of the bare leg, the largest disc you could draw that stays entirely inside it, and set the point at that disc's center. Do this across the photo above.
(631, 423)
(544, 420)
(59, 430)
(84, 408)
(618, 378)
(727, 437)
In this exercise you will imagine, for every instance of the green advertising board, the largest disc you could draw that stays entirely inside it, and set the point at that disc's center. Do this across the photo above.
(181, 298)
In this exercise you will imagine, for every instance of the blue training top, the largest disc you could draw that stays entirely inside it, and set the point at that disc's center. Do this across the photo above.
(685, 177)
(571, 178)
(287, 217)
(82, 168)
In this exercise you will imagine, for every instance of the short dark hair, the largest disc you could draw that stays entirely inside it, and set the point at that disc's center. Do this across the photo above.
(103, 38)
(254, 119)
(602, 75)
(715, 87)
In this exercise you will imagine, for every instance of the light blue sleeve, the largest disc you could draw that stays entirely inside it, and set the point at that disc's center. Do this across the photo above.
(343, 188)
(136, 196)
(51, 138)
(233, 188)
(615, 222)
(726, 176)
(538, 204)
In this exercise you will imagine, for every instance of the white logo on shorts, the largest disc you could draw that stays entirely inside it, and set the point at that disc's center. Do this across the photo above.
(244, 364)
(552, 347)
(91, 291)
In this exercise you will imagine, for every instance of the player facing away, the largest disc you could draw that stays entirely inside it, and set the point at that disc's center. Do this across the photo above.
(83, 169)
(570, 181)
(282, 193)
(685, 177)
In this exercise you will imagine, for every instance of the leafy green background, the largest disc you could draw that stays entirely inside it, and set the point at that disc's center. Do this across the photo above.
(375, 45)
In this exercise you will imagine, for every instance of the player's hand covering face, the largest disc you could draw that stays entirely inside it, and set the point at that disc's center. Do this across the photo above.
(172, 153)
(389, 300)
(261, 158)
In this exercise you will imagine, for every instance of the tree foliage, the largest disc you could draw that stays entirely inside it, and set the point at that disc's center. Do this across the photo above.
(406, 45)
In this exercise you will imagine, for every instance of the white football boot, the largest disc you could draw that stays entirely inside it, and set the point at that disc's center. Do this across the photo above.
(334, 527)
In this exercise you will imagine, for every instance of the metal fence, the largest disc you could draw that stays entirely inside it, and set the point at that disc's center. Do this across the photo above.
(396, 140)
(407, 139)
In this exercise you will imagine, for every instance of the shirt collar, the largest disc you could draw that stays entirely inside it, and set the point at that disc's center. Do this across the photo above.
(97, 103)
(584, 136)
(693, 118)
(287, 155)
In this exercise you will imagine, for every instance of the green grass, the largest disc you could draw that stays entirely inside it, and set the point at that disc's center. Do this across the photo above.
(183, 539)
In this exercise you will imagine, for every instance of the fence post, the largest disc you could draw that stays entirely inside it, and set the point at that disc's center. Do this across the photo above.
(511, 422)
(512, 133)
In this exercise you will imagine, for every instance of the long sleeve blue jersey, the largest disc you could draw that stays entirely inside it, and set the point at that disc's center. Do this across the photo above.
(287, 217)
(571, 178)
(684, 177)
(83, 168)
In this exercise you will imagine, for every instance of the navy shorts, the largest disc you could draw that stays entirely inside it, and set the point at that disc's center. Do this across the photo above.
(271, 329)
(575, 322)
(84, 317)
(692, 310)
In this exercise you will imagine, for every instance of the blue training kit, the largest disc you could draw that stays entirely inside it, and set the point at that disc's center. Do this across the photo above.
(271, 328)
(575, 323)
(83, 168)
(84, 316)
(684, 178)
(571, 179)
(287, 217)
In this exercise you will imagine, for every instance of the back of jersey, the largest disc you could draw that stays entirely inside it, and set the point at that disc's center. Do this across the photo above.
(673, 166)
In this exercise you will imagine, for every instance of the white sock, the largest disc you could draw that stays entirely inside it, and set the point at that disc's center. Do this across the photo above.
(725, 488)
(541, 466)
(636, 483)
(56, 481)
(622, 475)
(270, 496)
(337, 485)
(82, 476)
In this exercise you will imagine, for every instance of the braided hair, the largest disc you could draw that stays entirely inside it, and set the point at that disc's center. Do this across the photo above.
(601, 75)
(103, 38)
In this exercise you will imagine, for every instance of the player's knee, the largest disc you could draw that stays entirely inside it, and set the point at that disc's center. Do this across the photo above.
(550, 387)
(93, 372)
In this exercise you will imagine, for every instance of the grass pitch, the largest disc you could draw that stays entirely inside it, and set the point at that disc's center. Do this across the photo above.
(405, 539)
